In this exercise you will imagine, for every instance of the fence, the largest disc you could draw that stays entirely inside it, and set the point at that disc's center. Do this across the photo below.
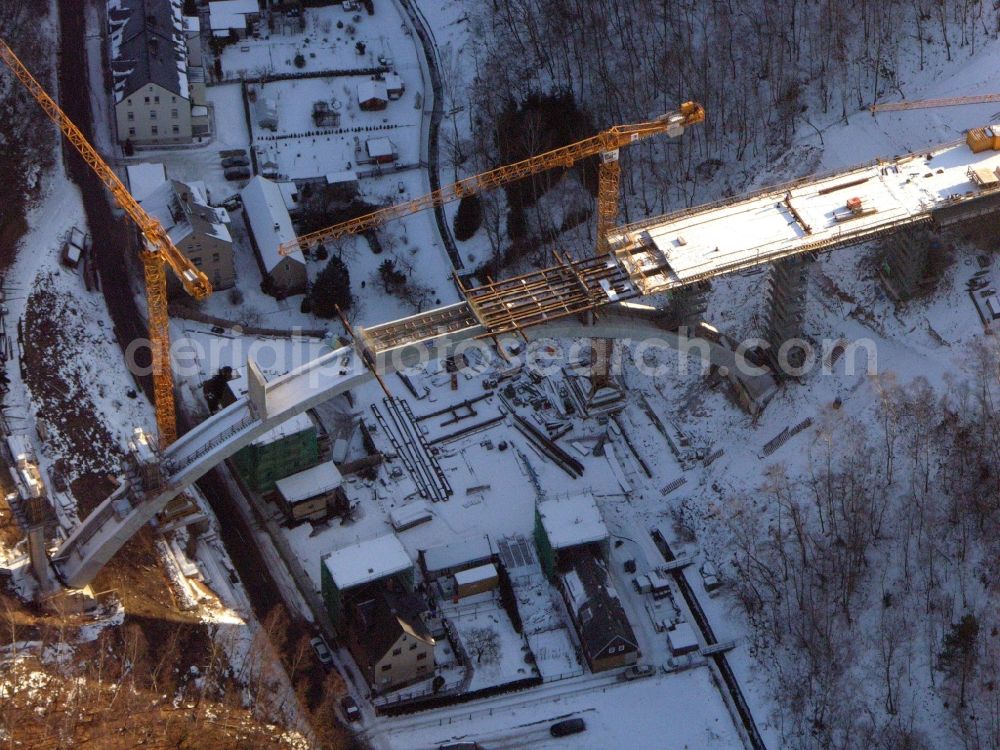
(330, 73)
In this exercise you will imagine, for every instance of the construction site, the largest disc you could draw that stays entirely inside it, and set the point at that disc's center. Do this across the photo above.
(532, 504)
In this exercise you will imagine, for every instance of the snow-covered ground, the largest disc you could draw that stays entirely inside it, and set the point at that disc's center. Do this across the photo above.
(677, 711)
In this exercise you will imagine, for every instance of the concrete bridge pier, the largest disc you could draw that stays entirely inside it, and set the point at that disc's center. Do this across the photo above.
(786, 307)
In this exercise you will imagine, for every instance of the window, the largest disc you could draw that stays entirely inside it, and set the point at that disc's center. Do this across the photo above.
(413, 647)
(421, 657)
(196, 261)
(131, 116)
(215, 257)
(129, 102)
(173, 113)
(147, 100)
(421, 667)
(156, 99)
(386, 667)
(131, 131)
(176, 130)
(152, 114)
(154, 130)
(173, 100)
(397, 651)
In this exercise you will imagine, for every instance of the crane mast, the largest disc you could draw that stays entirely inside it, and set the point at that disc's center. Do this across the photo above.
(159, 250)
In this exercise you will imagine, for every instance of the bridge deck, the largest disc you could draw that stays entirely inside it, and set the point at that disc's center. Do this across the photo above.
(807, 215)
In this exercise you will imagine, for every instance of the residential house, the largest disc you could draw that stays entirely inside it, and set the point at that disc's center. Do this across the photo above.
(394, 86)
(461, 554)
(200, 231)
(270, 226)
(389, 640)
(233, 17)
(601, 624)
(345, 573)
(567, 524)
(372, 95)
(309, 494)
(381, 151)
(152, 75)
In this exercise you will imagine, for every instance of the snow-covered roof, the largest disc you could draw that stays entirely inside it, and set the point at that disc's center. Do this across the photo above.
(293, 426)
(224, 15)
(182, 208)
(367, 561)
(409, 515)
(570, 521)
(317, 480)
(475, 575)
(682, 638)
(457, 553)
(372, 90)
(148, 45)
(393, 82)
(144, 178)
(378, 147)
(269, 221)
(344, 175)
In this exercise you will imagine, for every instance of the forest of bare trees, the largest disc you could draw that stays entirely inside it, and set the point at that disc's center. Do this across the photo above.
(26, 138)
(159, 684)
(762, 70)
(870, 583)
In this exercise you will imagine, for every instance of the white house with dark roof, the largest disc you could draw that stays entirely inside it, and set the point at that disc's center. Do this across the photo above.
(270, 225)
(151, 77)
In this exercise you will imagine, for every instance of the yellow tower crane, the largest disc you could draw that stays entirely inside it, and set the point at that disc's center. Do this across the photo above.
(606, 144)
(159, 251)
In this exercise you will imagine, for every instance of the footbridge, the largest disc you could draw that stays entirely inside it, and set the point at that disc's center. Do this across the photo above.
(585, 297)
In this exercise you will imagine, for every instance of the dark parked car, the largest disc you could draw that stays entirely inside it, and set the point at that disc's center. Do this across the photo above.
(236, 161)
(237, 173)
(566, 727)
(351, 710)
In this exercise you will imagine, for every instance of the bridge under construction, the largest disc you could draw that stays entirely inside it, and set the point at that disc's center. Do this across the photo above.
(944, 186)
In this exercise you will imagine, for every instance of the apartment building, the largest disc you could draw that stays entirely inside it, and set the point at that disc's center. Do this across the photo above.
(159, 96)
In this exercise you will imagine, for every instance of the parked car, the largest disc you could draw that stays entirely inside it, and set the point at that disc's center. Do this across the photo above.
(567, 727)
(237, 173)
(323, 652)
(218, 329)
(233, 202)
(236, 161)
(637, 672)
(351, 710)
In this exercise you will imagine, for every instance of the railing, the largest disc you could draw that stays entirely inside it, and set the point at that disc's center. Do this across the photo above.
(218, 440)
